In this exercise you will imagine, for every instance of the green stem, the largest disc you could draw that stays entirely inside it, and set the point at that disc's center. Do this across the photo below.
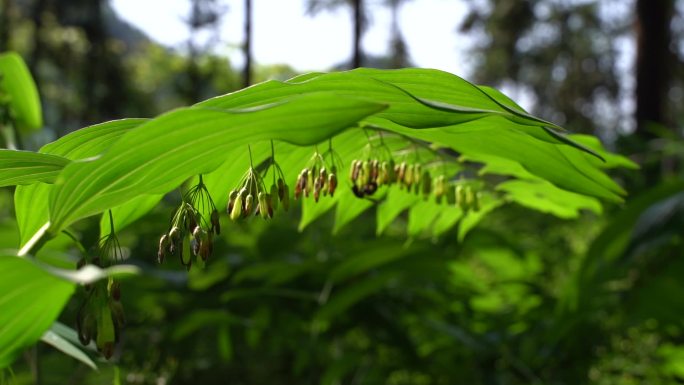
(78, 243)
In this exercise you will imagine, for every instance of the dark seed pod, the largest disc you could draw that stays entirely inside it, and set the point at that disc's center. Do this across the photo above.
(357, 191)
(81, 262)
(370, 188)
(118, 315)
(115, 291)
(215, 222)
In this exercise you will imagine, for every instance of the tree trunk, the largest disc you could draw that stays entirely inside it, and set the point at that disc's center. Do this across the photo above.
(247, 47)
(38, 45)
(653, 62)
(358, 29)
(5, 24)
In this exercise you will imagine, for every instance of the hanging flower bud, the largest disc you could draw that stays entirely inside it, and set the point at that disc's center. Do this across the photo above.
(374, 170)
(332, 184)
(476, 201)
(300, 186)
(281, 189)
(231, 201)
(174, 237)
(365, 172)
(273, 197)
(215, 222)
(206, 246)
(115, 291)
(408, 176)
(355, 170)
(461, 197)
(392, 172)
(236, 211)
(309, 182)
(263, 207)
(249, 206)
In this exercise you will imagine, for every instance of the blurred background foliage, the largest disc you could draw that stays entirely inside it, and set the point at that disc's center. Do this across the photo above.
(526, 298)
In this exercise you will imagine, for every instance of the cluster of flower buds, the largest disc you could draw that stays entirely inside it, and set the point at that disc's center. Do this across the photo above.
(252, 198)
(366, 176)
(190, 233)
(316, 181)
(316, 178)
(463, 195)
(101, 316)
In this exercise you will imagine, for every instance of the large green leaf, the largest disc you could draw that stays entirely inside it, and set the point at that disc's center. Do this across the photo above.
(16, 81)
(545, 197)
(26, 167)
(31, 201)
(30, 300)
(160, 154)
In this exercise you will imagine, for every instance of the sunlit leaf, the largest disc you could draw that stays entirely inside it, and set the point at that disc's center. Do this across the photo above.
(30, 300)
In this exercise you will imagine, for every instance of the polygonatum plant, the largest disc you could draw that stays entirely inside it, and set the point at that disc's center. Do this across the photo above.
(420, 141)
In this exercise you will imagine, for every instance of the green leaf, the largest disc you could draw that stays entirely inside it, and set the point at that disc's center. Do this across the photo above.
(31, 207)
(396, 201)
(91, 141)
(51, 337)
(31, 202)
(127, 213)
(26, 167)
(487, 203)
(547, 198)
(17, 82)
(348, 208)
(30, 300)
(159, 155)
(494, 136)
